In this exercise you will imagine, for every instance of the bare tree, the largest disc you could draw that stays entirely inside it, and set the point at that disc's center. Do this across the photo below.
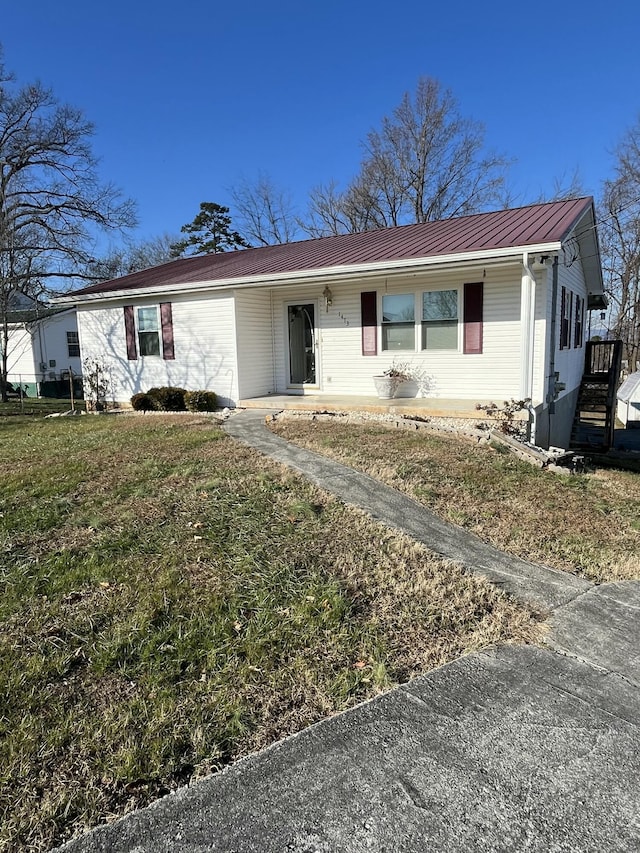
(430, 161)
(620, 235)
(564, 187)
(330, 212)
(266, 214)
(51, 199)
(425, 162)
(130, 257)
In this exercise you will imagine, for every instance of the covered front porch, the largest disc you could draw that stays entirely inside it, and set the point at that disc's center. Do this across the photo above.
(409, 407)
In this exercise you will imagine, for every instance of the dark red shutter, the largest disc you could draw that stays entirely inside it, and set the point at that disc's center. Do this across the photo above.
(369, 312)
(130, 331)
(473, 329)
(564, 324)
(166, 321)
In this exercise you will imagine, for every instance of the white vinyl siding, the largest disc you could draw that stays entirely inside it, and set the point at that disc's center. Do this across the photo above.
(21, 356)
(543, 286)
(254, 343)
(204, 341)
(344, 370)
(46, 343)
(569, 362)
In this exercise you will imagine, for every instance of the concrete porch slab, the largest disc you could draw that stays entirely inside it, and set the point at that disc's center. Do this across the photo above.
(427, 407)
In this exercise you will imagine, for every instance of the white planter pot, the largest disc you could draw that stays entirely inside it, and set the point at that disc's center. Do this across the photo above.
(387, 386)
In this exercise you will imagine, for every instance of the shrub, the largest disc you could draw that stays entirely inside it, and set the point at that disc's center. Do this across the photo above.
(201, 401)
(168, 398)
(505, 415)
(143, 403)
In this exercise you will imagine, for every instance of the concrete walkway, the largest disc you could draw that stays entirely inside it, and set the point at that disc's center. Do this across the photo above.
(514, 749)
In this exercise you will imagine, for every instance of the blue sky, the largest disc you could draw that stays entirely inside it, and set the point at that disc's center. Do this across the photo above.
(190, 97)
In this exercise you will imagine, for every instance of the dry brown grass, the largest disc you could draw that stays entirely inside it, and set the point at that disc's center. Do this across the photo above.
(586, 524)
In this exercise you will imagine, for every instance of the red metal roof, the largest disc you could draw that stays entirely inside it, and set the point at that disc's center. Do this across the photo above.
(524, 226)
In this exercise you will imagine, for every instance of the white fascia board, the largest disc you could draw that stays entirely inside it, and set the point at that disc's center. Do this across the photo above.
(338, 273)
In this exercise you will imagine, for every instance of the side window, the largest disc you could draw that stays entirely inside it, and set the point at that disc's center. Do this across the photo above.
(398, 321)
(73, 345)
(148, 331)
(147, 328)
(578, 322)
(566, 303)
(440, 319)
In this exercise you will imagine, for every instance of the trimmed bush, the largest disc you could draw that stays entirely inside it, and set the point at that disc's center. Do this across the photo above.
(143, 403)
(168, 398)
(201, 401)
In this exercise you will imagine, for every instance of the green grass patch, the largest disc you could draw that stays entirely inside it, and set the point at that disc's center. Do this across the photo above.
(171, 601)
(30, 407)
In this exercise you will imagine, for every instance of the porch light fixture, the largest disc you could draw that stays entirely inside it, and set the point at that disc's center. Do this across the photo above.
(328, 297)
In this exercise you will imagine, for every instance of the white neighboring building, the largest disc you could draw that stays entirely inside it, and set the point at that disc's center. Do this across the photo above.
(488, 307)
(629, 401)
(43, 346)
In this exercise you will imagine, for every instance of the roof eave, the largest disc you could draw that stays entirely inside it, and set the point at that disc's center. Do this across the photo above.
(584, 230)
(335, 273)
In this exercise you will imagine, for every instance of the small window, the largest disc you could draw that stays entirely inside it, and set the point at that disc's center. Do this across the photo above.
(148, 331)
(566, 304)
(73, 345)
(579, 322)
(440, 319)
(398, 321)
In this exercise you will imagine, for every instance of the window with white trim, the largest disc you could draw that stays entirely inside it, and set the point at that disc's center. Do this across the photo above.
(148, 330)
(439, 319)
(73, 345)
(398, 321)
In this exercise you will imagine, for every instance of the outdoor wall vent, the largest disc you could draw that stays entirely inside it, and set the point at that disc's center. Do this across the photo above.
(52, 362)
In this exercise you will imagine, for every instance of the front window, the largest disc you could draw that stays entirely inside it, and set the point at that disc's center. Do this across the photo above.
(398, 321)
(440, 319)
(148, 331)
(73, 345)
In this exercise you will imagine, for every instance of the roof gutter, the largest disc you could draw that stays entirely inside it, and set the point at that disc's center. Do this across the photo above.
(345, 272)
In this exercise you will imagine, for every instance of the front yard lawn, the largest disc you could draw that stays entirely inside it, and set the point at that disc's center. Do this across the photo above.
(587, 524)
(170, 601)
(37, 406)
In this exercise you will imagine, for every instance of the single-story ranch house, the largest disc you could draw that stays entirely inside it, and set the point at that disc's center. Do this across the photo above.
(487, 307)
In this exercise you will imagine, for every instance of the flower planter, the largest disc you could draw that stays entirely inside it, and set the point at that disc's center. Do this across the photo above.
(387, 386)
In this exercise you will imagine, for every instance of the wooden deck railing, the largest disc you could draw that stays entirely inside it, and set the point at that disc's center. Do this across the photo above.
(603, 358)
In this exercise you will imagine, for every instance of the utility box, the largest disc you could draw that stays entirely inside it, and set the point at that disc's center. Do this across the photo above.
(628, 410)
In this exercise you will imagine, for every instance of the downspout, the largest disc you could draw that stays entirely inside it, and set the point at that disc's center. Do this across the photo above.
(37, 328)
(273, 344)
(551, 379)
(528, 312)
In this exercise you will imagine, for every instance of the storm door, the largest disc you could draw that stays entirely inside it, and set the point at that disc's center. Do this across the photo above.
(302, 344)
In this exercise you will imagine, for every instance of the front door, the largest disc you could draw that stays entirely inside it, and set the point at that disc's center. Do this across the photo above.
(301, 323)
